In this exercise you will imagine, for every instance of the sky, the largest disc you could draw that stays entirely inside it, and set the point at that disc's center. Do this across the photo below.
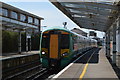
(52, 16)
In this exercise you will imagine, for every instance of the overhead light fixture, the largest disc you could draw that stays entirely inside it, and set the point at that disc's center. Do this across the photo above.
(110, 17)
(90, 16)
(93, 24)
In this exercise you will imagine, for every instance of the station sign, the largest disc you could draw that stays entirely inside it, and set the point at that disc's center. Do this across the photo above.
(28, 35)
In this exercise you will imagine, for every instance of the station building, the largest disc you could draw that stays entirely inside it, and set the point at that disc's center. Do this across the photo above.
(79, 31)
(20, 29)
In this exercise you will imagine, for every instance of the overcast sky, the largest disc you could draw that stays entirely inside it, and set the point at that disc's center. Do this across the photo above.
(52, 16)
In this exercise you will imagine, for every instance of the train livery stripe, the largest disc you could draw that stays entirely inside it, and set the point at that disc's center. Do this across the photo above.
(64, 50)
(45, 49)
(54, 46)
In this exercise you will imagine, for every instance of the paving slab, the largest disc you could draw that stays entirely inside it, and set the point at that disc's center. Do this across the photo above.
(99, 69)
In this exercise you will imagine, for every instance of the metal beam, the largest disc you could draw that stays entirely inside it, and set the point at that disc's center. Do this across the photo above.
(98, 27)
(89, 14)
(100, 12)
(60, 7)
(114, 44)
(93, 27)
(91, 19)
(95, 4)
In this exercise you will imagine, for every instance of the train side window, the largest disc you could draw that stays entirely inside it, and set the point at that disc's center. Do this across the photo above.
(75, 39)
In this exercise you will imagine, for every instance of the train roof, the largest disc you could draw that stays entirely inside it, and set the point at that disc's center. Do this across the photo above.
(56, 28)
(66, 30)
(60, 28)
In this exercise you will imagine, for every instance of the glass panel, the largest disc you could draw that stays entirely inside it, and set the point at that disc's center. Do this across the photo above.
(5, 12)
(30, 20)
(64, 41)
(36, 21)
(0, 11)
(14, 15)
(45, 41)
(22, 17)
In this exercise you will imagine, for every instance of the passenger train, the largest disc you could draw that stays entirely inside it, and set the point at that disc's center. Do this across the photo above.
(59, 46)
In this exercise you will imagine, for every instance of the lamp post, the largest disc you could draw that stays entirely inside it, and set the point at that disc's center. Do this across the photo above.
(65, 23)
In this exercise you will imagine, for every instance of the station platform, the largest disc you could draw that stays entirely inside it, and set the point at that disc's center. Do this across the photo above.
(13, 63)
(97, 68)
(14, 55)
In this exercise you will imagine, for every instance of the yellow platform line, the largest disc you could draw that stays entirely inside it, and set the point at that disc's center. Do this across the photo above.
(84, 71)
(85, 68)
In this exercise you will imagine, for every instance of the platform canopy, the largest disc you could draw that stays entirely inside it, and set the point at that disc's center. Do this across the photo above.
(90, 14)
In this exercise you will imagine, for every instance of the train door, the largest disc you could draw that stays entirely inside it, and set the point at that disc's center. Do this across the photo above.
(54, 49)
(54, 46)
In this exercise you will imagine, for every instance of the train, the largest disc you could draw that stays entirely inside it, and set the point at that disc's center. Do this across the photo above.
(60, 45)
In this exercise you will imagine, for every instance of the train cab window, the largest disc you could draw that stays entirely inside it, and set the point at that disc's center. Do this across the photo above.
(64, 41)
(45, 41)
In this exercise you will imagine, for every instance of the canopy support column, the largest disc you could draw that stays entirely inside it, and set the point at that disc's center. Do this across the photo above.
(26, 42)
(106, 36)
(30, 44)
(19, 43)
(108, 44)
(118, 43)
(114, 44)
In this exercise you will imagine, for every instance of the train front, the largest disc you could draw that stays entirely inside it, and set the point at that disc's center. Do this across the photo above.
(55, 47)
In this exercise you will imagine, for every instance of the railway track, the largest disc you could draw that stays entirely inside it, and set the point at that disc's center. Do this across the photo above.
(52, 73)
(37, 72)
(23, 74)
(34, 73)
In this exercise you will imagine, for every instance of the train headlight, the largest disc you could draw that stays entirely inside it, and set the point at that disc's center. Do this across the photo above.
(65, 54)
(43, 53)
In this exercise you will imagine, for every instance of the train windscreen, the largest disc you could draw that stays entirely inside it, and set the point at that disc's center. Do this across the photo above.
(64, 41)
(45, 41)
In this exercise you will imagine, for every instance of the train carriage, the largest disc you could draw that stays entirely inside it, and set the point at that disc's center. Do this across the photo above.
(59, 46)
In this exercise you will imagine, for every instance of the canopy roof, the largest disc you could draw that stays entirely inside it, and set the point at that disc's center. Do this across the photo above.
(90, 14)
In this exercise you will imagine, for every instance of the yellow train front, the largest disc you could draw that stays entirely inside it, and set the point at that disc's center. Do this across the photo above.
(59, 46)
